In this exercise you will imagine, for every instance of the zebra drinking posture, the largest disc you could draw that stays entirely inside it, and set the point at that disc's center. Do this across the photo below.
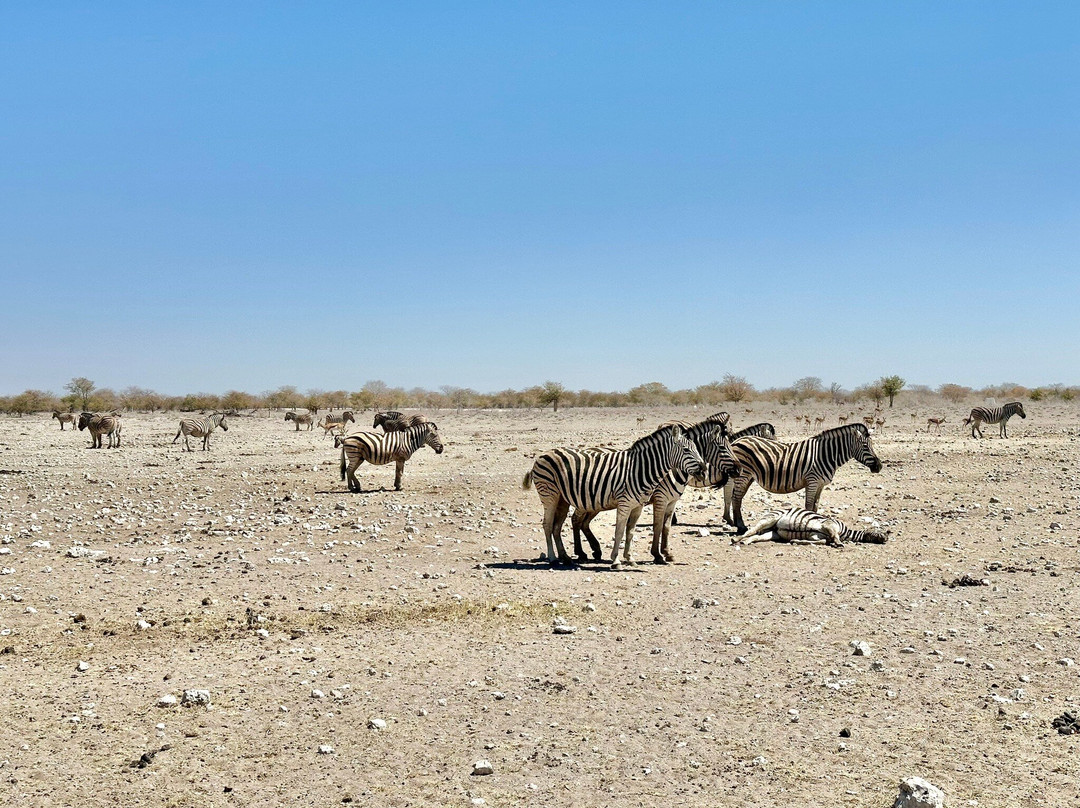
(596, 481)
(379, 449)
(782, 468)
(994, 415)
(801, 525)
(200, 428)
(298, 419)
(64, 418)
(712, 443)
(100, 425)
(393, 421)
(337, 422)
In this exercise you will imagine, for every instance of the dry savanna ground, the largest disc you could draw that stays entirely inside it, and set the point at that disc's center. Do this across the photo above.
(307, 613)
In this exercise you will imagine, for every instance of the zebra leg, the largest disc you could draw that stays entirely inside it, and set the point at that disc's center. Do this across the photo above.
(622, 516)
(1002, 431)
(350, 473)
(580, 522)
(742, 484)
(729, 493)
(631, 524)
(764, 530)
(662, 519)
(399, 467)
(554, 516)
(813, 493)
(829, 534)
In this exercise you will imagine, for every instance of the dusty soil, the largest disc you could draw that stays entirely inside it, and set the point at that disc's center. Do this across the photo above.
(428, 609)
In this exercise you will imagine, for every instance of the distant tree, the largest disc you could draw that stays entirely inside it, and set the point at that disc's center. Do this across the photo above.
(871, 391)
(285, 397)
(955, 392)
(650, 393)
(735, 388)
(836, 392)
(807, 387)
(890, 386)
(81, 388)
(1037, 394)
(1068, 394)
(552, 393)
(30, 401)
(237, 400)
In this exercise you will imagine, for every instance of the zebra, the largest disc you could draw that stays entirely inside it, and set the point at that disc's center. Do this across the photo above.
(994, 415)
(379, 449)
(298, 419)
(393, 421)
(100, 425)
(801, 525)
(595, 481)
(64, 418)
(331, 421)
(200, 428)
(712, 443)
(782, 468)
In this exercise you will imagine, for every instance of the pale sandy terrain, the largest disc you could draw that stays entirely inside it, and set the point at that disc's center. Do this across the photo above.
(428, 609)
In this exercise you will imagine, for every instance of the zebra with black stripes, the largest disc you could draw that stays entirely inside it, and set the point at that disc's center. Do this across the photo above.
(300, 418)
(100, 425)
(381, 448)
(994, 415)
(331, 421)
(803, 526)
(783, 468)
(200, 428)
(596, 481)
(64, 418)
(712, 443)
(393, 421)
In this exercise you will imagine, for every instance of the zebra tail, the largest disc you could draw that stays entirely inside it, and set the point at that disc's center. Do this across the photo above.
(967, 420)
(343, 461)
(526, 484)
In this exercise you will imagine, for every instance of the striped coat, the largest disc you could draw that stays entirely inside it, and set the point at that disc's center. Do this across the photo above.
(994, 415)
(338, 422)
(298, 418)
(200, 428)
(801, 525)
(594, 481)
(782, 468)
(378, 449)
(64, 418)
(100, 425)
(392, 421)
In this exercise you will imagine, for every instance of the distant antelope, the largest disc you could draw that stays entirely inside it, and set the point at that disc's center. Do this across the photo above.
(994, 415)
(641, 420)
(934, 422)
(868, 420)
(843, 419)
(819, 421)
(879, 423)
(64, 418)
(914, 417)
(337, 422)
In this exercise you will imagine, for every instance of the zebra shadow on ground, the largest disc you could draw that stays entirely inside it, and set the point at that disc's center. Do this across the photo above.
(542, 564)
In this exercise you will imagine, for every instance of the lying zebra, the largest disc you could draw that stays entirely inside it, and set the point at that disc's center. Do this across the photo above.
(379, 449)
(298, 419)
(64, 418)
(804, 527)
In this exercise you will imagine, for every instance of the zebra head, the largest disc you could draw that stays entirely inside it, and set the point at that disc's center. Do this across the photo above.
(864, 449)
(289, 416)
(347, 416)
(84, 420)
(684, 455)
(1019, 409)
(220, 417)
(432, 438)
(875, 537)
(720, 464)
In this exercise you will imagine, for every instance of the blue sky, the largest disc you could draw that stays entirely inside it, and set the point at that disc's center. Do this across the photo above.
(201, 197)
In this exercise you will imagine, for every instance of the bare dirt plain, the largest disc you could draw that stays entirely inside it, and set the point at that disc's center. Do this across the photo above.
(428, 609)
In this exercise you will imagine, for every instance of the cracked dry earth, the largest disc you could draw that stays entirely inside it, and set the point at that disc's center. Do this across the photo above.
(725, 679)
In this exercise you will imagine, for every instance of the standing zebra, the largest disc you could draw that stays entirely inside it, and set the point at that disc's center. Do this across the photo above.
(597, 481)
(801, 525)
(331, 421)
(782, 468)
(380, 449)
(712, 443)
(64, 418)
(100, 425)
(392, 421)
(994, 415)
(298, 419)
(200, 428)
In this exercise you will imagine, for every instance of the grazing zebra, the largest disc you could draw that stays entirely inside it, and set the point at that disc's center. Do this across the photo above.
(934, 422)
(200, 428)
(994, 415)
(306, 418)
(379, 449)
(801, 525)
(712, 443)
(392, 421)
(596, 481)
(100, 425)
(782, 468)
(64, 418)
(331, 421)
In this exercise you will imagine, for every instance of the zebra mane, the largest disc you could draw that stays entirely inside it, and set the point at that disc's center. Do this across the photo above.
(653, 437)
(846, 428)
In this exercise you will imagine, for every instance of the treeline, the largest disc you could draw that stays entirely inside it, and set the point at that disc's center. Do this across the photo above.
(82, 394)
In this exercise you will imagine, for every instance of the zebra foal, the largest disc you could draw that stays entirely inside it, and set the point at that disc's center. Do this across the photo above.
(801, 525)
(200, 428)
(811, 463)
(594, 481)
(994, 415)
(298, 419)
(64, 418)
(100, 425)
(379, 449)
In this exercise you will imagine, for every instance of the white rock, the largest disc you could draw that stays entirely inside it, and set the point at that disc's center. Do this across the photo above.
(482, 767)
(141, 625)
(326, 749)
(376, 723)
(703, 532)
(861, 647)
(199, 697)
(82, 666)
(918, 793)
(168, 700)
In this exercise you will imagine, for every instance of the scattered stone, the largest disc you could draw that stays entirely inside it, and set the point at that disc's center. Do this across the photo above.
(82, 667)
(326, 749)
(861, 647)
(1066, 724)
(196, 697)
(482, 767)
(560, 626)
(966, 580)
(168, 700)
(918, 793)
(376, 724)
(845, 733)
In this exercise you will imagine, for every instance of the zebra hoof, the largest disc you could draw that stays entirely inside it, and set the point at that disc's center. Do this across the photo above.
(659, 559)
(598, 556)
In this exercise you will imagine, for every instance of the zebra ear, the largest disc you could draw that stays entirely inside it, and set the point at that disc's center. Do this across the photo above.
(676, 431)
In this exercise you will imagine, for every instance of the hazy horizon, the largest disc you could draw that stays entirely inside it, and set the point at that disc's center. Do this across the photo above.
(238, 196)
